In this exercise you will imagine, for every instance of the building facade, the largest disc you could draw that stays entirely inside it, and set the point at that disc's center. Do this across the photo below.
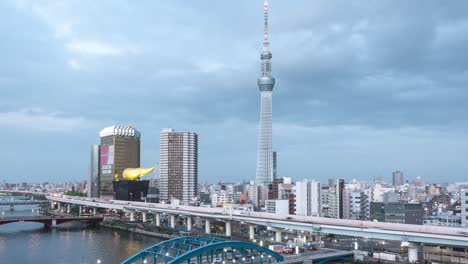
(277, 206)
(400, 213)
(397, 178)
(119, 150)
(464, 207)
(357, 205)
(94, 180)
(178, 168)
(308, 198)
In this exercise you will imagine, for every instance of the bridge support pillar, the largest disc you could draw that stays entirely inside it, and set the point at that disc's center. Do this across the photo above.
(207, 227)
(68, 208)
(158, 219)
(54, 222)
(173, 221)
(278, 236)
(251, 232)
(143, 217)
(52, 205)
(59, 207)
(94, 211)
(189, 223)
(132, 216)
(80, 210)
(413, 252)
(228, 228)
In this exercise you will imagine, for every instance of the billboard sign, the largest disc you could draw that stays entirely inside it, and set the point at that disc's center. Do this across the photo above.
(107, 155)
(107, 158)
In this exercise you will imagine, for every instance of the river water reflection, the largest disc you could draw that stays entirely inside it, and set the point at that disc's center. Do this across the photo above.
(31, 243)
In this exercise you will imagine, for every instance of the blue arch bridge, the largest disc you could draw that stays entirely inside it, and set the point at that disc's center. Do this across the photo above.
(198, 250)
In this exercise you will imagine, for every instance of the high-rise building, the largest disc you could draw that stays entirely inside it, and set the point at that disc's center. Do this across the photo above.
(274, 189)
(397, 177)
(464, 207)
(93, 183)
(357, 205)
(340, 193)
(120, 149)
(336, 200)
(178, 167)
(308, 198)
(264, 172)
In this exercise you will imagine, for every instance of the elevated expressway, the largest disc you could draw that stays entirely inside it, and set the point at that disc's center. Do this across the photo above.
(448, 236)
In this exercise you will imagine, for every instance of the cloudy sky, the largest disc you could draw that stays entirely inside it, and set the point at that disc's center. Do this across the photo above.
(363, 87)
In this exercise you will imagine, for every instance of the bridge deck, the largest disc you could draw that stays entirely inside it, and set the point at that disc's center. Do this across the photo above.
(23, 202)
(10, 219)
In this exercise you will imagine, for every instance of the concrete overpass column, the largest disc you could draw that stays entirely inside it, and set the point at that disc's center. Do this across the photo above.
(51, 205)
(81, 210)
(158, 219)
(278, 236)
(207, 227)
(59, 206)
(251, 232)
(228, 228)
(189, 223)
(132, 216)
(68, 208)
(94, 211)
(413, 252)
(173, 221)
(143, 216)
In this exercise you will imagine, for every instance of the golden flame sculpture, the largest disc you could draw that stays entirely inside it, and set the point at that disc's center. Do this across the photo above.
(132, 174)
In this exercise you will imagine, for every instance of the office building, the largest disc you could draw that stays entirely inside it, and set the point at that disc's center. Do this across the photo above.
(357, 204)
(401, 213)
(397, 178)
(178, 167)
(391, 197)
(93, 182)
(277, 206)
(308, 198)
(340, 199)
(336, 201)
(221, 198)
(275, 189)
(464, 207)
(120, 149)
(264, 172)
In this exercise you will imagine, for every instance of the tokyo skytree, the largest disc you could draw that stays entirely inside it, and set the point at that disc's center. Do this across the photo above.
(266, 83)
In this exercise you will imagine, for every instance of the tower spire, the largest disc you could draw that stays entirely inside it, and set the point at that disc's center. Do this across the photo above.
(266, 41)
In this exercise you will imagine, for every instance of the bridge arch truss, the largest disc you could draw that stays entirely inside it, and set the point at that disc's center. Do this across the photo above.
(200, 250)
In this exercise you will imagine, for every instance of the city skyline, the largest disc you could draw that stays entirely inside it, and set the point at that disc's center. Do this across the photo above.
(352, 104)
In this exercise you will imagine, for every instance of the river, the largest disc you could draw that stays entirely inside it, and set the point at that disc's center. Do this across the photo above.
(68, 244)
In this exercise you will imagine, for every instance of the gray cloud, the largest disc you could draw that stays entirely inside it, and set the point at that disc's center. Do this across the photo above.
(362, 71)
